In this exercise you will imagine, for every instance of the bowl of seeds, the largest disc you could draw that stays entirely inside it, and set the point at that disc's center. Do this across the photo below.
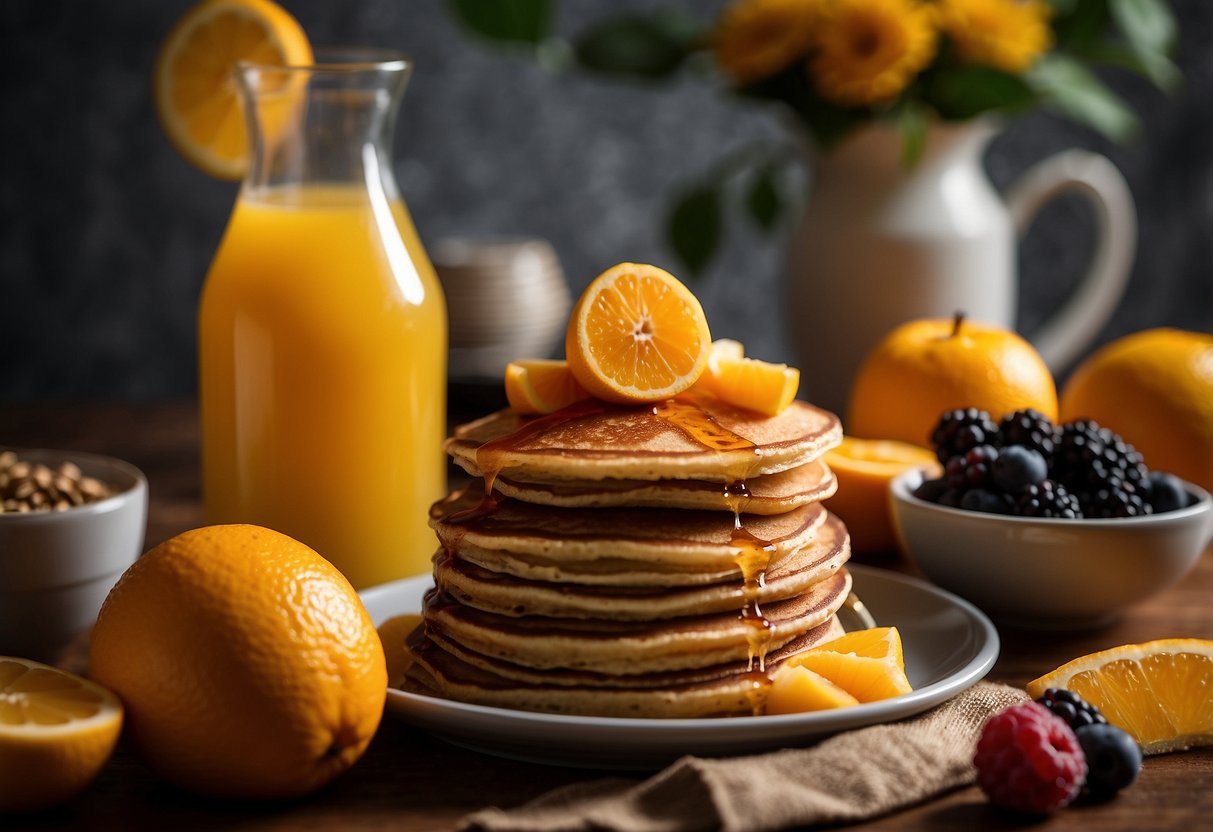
(70, 525)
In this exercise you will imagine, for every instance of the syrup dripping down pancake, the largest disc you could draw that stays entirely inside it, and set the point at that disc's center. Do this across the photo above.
(504, 594)
(689, 540)
(629, 647)
(722, 690)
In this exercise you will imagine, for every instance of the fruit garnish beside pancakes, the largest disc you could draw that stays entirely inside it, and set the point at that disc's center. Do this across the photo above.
(644, 535)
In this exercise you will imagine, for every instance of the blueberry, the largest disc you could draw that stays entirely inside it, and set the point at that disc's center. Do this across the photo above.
(931, 490)
(981, 499)
(1018, 467)
(1166, 492)
(1113, 759)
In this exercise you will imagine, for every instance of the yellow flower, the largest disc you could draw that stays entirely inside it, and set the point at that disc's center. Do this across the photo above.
(867, 51)
(1004, 34)
(755, 39)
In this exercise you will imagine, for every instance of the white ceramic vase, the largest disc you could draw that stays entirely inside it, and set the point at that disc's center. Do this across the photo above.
(881, 244)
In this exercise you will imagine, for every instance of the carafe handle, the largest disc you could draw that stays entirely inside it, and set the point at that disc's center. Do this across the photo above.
(1072, 327)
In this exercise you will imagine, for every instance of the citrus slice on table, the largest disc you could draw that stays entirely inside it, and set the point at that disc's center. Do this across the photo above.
(194, 80)
(637, 335)
(56, 732)
(541, 386)
(1161, 692)
(867, 664)
(864, 468)
(747, 382)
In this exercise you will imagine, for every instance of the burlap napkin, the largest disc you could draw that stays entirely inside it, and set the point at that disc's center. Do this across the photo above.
(849, 777)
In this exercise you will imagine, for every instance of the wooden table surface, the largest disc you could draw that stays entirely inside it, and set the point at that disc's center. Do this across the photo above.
(408, 780)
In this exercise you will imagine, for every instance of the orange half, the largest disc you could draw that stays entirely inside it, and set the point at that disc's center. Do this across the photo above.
(194, 81)
(637, 335)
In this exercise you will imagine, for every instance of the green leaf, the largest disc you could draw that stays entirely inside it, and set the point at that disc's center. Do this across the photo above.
(912, 122)
(764, 201)
(694, 227)
(1154, 66)
(1078, 24)
(828, 124)
(1147, 25)
(1069, 88)
(512, 21)
(635, 46)
(965, 92)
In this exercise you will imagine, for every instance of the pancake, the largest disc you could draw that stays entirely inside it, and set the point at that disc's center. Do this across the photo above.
(770, 494)
(632, 647)
(706, 440)
(475, 586)
(722, 690)
(618, 536)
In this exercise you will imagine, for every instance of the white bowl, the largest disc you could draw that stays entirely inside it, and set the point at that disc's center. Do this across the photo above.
(56, 567)
(1050, 573)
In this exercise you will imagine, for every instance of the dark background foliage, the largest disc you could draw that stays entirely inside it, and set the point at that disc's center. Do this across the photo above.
(105, 233)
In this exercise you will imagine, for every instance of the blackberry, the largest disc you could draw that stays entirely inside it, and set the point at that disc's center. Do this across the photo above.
(1071, 708)
(960, 430)
(1048, 499)
(1032, 429)
(1119, 500)
(972, 469)
(1018, 466)
(1089, 458)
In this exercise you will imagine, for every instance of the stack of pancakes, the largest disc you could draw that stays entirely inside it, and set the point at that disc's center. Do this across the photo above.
(654, 561)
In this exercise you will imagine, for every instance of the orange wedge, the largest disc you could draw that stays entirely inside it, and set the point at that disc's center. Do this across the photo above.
(755, 385)
(637, 335)
(795, 689)
(1161, 692)
(194, 81)
(541, 386)
(867, 664)
(864, 468)
(56, 732)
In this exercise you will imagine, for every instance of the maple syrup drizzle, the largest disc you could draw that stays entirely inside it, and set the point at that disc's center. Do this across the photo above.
(753, 554)
(490, 457)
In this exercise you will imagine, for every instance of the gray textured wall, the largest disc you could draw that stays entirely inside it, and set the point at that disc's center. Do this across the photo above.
(105, 233)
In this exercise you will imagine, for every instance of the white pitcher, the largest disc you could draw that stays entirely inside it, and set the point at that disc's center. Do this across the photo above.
(880, 244)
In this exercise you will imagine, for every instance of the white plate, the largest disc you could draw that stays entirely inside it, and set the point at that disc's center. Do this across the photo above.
(949, 646)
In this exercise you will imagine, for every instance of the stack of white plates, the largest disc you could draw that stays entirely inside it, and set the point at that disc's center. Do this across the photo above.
(506, 299)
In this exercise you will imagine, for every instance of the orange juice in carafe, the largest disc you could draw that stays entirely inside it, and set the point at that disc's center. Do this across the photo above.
(322, 353)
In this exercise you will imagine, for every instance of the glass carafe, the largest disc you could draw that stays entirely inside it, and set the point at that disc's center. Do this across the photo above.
(322, 328)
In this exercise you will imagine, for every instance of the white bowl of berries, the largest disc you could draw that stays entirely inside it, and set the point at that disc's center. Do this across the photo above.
(1047, 526)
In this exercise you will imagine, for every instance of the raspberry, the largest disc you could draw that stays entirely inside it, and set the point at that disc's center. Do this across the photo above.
(1029, 760)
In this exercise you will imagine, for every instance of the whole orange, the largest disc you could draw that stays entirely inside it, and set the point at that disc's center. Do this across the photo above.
(1154, 388)
(926, 367)
(247, 663)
